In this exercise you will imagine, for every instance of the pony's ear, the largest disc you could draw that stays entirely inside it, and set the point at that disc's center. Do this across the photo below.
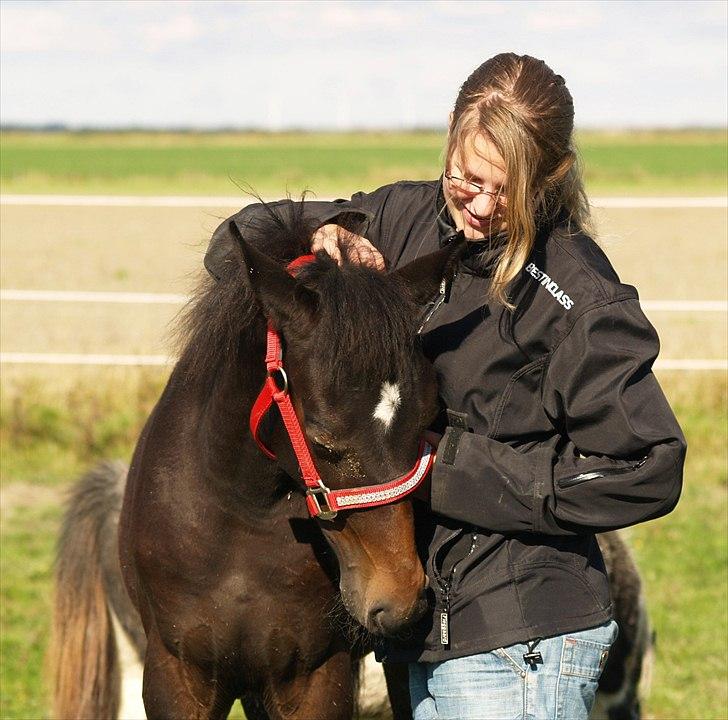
(424, 275)
(282, 298)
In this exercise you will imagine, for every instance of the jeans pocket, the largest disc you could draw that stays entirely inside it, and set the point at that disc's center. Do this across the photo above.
(507, 659)
(585, 652)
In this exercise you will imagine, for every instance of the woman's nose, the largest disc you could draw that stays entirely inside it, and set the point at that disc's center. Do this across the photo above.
(481, 206)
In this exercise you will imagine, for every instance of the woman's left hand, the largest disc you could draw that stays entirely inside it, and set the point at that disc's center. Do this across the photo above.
(336, 240)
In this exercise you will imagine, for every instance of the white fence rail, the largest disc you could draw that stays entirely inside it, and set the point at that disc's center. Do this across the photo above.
(135, 298)
(21, 358)
(172, 299)
(238, 202)
(12, 358)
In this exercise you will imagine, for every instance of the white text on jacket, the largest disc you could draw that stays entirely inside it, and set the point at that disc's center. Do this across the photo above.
(550, 285)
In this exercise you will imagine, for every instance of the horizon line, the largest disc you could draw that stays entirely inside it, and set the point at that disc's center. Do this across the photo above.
(254, 129)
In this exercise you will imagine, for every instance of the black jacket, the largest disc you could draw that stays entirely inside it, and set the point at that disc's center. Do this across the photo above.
(556, 428)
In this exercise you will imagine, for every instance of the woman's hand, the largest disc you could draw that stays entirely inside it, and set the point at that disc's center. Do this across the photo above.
(337, 242)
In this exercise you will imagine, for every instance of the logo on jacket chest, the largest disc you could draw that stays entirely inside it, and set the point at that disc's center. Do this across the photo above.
(551, 285)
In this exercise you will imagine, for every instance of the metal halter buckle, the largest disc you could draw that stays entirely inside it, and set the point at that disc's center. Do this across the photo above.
(325, 512)
(280, 380)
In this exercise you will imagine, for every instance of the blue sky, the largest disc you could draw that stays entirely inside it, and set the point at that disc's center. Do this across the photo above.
(351, 64)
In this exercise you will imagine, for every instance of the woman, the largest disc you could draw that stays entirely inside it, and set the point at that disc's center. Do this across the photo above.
(554, 427)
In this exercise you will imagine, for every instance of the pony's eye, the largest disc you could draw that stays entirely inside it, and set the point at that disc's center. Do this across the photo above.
(326, 452)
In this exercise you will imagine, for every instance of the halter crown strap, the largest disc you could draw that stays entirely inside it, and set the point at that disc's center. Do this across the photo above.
(271, 391)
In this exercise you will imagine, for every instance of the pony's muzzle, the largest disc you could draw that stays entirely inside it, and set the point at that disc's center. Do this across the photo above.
(386, 618)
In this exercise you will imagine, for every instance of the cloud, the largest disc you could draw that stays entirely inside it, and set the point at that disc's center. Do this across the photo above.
(565, 16)
(371, 63)
(35, 28)
(178, 30)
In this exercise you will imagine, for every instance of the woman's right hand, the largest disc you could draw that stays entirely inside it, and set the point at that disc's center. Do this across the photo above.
(338, 242)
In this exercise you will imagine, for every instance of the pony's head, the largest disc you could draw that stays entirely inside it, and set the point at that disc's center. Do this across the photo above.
(364, 394)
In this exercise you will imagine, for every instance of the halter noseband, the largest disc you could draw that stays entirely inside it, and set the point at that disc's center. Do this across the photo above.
(322, 502)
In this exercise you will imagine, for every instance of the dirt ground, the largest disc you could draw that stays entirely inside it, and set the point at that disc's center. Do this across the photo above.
(668, 254)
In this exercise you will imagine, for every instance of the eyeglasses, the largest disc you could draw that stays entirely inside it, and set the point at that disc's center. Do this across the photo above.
(472, 188)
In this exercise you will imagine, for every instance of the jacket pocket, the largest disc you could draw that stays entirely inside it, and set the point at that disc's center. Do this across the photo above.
(519, 413)
(572, 480)
(541, 587)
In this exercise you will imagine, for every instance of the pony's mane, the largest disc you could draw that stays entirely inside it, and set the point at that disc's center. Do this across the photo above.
(365, 325)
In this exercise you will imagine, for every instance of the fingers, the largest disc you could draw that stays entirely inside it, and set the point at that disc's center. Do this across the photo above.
(336, 241)
(326, 239)
(360, 251)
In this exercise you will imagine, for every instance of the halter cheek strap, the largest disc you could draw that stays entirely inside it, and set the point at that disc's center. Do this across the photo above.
(321, 501)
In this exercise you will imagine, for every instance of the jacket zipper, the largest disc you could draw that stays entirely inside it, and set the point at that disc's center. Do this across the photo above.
(436, 304)
(445, 586)
(594, 474)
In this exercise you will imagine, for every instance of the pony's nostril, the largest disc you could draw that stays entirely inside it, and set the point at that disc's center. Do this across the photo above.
(381, 619)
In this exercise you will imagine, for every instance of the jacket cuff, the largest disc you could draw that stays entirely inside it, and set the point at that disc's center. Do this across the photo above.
(446, 491)
(489, 484)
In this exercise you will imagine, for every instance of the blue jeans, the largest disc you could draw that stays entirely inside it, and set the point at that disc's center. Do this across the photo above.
(500, 685)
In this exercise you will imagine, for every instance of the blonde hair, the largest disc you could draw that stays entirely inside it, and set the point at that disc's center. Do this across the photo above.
(525, 109)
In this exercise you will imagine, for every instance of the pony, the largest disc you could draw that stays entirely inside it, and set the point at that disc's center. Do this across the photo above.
(239, 591)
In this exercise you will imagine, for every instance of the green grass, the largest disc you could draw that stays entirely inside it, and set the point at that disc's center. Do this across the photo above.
(684, 560)
(28, 536)
(273, 164)
(48, 436)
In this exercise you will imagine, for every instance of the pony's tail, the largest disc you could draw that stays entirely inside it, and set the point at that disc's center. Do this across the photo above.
(83, 654)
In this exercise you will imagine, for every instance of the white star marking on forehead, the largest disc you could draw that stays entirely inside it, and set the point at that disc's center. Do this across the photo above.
(388, 403)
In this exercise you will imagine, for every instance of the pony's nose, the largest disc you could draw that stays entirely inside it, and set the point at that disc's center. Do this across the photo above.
(385, 619)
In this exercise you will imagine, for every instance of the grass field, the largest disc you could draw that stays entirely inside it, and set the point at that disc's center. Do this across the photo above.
(215, 164)
(56, 421)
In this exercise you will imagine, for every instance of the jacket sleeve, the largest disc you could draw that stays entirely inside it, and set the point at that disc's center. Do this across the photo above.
(362, 214)
(618, 460)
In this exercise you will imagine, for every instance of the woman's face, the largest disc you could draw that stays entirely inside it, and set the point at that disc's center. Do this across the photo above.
(476, 204)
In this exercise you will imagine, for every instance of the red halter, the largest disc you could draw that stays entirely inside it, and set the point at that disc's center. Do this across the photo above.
(323, 502)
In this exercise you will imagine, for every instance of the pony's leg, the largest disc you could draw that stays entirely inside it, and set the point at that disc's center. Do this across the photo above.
(397, 675)
(254, 708)
(326, 694)
(178, 690)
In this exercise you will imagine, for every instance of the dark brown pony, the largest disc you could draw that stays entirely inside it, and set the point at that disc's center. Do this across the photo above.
(236, 587)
